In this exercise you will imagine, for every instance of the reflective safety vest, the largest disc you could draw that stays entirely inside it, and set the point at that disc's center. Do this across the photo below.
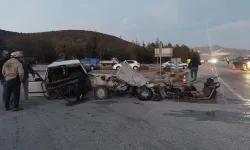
(227, 59)
(188, 61)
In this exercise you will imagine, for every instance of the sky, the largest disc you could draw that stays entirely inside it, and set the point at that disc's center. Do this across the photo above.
(191, 22)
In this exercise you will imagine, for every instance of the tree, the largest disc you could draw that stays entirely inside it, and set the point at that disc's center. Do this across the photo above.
(136, 42)
(94, 54)
(143, 44)
(170, 45)
(157, 42)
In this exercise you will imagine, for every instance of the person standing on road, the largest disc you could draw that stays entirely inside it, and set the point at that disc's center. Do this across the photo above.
(228, 60)
(27, 69)
(194, 65)
(5, 57)
(188, 62)
(13, 74)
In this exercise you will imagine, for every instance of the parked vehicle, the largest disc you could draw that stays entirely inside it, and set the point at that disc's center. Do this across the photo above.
(133, 63)
(90, 63)
(63, 79)
(112, 62)
(241, 63)
(181, 65)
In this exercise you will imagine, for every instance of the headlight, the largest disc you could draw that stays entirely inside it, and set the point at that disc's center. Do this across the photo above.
(248, 63)
(214, 61)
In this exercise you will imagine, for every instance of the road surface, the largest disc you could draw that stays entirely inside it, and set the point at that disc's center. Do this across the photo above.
(126, 123)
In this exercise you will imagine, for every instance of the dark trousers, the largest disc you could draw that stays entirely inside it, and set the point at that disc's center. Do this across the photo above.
(12, 87)
(194, 72)
(2, 93)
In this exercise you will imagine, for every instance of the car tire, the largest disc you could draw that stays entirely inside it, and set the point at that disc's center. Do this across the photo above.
(244, 67)
(118, 67)
(233, 67)
(135, 67)
(144, 93)
(92, 68)
(101, 92)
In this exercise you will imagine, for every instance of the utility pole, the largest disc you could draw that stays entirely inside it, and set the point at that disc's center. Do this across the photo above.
(160, 52)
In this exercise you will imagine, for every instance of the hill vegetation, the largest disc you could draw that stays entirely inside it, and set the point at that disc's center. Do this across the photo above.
(68, 44)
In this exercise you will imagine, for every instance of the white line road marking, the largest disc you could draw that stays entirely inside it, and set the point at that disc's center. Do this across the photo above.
(229, 88)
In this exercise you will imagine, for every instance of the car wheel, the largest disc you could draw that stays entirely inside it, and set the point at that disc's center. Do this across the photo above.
(244, 67)
(92, 68)
(233, 67)
(135, 67)
(101, 92)
(118, 67)
(144, 93)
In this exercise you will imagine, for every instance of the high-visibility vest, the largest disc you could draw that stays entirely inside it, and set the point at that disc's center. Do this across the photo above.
(188, 61)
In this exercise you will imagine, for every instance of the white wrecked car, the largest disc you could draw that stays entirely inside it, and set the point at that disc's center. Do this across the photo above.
(63, 79)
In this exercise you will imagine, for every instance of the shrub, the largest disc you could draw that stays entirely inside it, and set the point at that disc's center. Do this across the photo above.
(162, 72)
(167, 69)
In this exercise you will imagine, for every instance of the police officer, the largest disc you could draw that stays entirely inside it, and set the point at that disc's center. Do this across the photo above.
(189, 67)
(228, 60)
(13, 74)
(188, 60)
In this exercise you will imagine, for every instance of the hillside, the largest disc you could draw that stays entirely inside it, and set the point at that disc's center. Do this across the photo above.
(219, 51)
(67, 44)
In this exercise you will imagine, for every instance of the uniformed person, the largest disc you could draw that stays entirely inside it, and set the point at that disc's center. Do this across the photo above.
(13, 74)
(228, 60)
(188, 61)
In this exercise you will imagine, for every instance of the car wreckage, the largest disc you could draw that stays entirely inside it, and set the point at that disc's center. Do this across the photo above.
(63, 80)
(68, 79)
(129, 81)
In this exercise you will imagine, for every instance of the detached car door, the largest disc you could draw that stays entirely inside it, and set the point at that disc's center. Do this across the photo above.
(36, 86)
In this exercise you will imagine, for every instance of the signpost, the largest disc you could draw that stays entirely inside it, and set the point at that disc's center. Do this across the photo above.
(160, 51)
(176, 62)
(163, 52)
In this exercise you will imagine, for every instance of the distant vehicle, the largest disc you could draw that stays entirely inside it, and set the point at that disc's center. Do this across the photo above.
(181, 65)
(112, 62)
(133, 63)
(241, 63)
(90, 63)
(202, 61)
(214, 60)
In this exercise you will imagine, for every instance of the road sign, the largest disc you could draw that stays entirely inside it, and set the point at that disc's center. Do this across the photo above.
(165, 52)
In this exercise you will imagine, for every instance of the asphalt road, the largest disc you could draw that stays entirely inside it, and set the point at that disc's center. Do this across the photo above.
(236, 83)
(125, 123)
